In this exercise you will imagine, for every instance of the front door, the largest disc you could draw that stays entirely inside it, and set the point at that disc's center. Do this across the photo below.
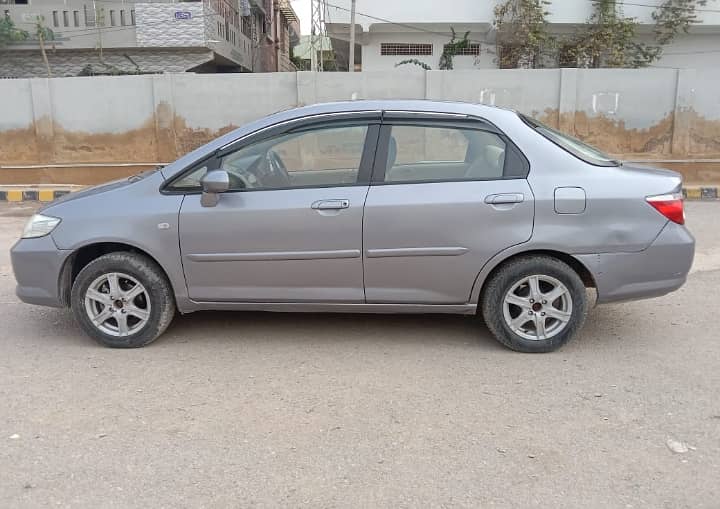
(290, 229)
(445, 198)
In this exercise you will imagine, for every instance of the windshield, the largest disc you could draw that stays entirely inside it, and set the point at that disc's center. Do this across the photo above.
(576, 147)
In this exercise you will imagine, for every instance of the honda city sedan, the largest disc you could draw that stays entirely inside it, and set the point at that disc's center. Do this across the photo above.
(370, 207)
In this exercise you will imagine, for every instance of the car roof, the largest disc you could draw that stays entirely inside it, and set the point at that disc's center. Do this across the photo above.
(395, 104)
(490, 113)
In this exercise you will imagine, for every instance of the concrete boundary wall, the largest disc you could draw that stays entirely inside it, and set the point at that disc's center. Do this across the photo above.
(92, 129)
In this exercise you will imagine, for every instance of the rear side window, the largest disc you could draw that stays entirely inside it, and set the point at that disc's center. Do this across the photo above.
(426, 153)
(578, 148)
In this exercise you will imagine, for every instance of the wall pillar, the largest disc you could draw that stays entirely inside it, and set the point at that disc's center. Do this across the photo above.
(684, 110)
(164, 115)
(568, 100)
(306, 93)
(43, 119)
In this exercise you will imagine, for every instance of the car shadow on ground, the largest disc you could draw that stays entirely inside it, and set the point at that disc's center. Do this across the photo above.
(325, 329)
(328, 328)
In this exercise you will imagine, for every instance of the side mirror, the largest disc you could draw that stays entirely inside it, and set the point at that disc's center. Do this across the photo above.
(214, 183)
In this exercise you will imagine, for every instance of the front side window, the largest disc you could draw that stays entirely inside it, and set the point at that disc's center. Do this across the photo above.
(420, 153)
(328, 156)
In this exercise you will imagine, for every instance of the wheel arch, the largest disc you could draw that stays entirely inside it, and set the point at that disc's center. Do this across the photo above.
(499, 261)
(85, 254)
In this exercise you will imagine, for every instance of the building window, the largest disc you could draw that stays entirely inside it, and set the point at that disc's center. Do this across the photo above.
(56, 23)
(112, 18)
(66, 19)
(403, 48)
(122, 18)
(471, 49)
(76, 18)
(89, 16)
(132, 17)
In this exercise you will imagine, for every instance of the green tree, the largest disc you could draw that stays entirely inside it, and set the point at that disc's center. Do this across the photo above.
(451, 49)
(609, 39)
(675, 16)
(10, 33)
(523, 31)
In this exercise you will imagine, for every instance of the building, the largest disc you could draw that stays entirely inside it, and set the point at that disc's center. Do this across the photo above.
(121, 37)
(304, 49)
(390, 32)
(286, 34)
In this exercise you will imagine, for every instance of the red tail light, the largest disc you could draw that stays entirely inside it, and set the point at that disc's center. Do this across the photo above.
(670, 206)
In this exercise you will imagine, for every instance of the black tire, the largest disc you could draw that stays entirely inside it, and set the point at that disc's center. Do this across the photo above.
(507, 276)
(145, 271)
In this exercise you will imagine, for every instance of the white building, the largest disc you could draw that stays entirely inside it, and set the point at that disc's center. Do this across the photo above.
(388, 32)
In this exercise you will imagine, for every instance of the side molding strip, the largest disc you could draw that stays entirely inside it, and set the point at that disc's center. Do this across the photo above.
(416, 251)
(274, 255)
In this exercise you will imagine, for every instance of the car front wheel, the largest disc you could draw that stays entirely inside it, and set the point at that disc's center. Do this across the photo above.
(122, 300)
(534, 304)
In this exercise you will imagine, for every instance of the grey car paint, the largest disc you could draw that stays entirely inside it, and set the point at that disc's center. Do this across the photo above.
(423, 240)
(631, 250)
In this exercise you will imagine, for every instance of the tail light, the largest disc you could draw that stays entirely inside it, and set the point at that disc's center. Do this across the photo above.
(670, 206)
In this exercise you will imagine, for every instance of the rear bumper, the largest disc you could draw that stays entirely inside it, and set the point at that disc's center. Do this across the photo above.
(37, 264)
(660, 269)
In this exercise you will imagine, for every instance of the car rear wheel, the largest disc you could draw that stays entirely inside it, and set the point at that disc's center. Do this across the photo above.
(122, 300)
(534, 304)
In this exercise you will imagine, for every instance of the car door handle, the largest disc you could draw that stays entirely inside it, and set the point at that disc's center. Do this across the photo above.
(497, 199)
(330, 204)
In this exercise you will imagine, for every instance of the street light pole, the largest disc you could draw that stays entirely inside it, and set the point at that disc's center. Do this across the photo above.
(351, 58)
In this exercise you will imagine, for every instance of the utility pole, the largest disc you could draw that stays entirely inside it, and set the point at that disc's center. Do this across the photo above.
(351, 58)
(317, 31)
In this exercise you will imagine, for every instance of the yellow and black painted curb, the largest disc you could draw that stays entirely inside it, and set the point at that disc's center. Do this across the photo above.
(701, 192)
(17, 194)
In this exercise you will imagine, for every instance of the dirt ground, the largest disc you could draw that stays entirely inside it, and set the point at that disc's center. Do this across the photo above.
(280, 410)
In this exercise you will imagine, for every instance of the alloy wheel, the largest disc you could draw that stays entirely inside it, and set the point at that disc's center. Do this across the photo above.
(537, 307)
(117, 304)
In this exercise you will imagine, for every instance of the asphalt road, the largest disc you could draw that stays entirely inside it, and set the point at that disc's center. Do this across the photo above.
(267, 410)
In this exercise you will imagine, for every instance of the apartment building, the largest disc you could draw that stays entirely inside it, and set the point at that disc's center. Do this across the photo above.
(87, 37)
(390, 32)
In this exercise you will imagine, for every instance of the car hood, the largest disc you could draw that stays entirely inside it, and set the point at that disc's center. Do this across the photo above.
(99, 189)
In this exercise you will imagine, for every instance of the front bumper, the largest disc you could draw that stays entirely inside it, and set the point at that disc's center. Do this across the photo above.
(660, 269)
(37, 264)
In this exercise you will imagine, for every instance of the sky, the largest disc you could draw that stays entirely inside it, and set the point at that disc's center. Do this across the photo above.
(302, 9)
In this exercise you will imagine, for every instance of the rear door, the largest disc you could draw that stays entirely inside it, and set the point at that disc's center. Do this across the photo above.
(446, 195)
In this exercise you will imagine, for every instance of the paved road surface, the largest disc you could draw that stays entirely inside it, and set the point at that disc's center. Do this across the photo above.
(265, 410)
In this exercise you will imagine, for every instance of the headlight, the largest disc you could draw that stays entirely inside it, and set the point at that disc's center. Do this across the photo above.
(39, 226)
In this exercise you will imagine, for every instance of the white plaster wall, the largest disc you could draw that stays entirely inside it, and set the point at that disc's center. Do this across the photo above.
(101, 104)
(16, 105)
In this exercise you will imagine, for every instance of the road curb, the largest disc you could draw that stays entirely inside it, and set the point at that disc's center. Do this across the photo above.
(703, 193)
(17, 194)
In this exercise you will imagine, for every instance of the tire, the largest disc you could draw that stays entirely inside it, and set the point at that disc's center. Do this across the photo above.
(141, 318)
(560, 318)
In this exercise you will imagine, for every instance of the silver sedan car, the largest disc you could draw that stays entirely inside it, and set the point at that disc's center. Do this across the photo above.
(365, 206)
